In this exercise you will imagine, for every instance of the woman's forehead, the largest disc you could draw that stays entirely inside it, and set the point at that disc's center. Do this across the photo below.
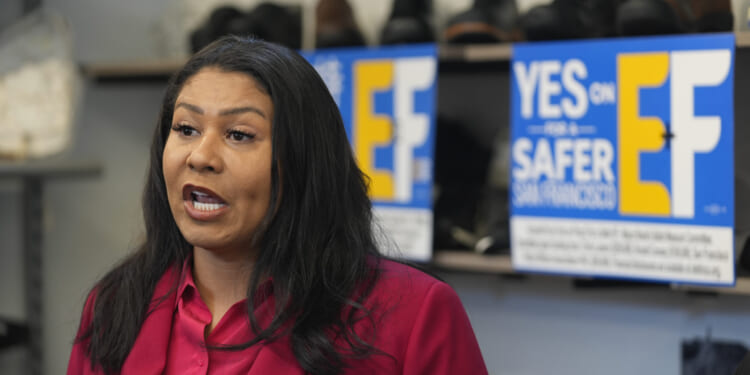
(215, 78)
(219, 90)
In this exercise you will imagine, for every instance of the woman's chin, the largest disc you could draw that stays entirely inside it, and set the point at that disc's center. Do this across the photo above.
(215, 245)
(207, 243)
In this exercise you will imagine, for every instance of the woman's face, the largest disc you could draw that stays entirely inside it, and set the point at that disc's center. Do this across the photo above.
(217, 159)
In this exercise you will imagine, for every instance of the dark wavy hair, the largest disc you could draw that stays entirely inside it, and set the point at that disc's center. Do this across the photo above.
(317, 245)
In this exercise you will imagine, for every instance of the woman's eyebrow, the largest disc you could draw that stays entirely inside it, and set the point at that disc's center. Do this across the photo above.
(190, 107)
(234, 111)
(226, 112)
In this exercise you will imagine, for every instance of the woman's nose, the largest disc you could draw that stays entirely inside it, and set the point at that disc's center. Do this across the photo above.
(206, 156)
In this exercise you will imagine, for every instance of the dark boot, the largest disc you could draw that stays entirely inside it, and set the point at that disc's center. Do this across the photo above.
(461, 163)
(273, 23)
(599, 17)
(218, 24)
(266, 21)
(570, 19)
(335, 25)
(712, 15)
(487, 21)
(649, 17)
(408, 23)
(653, 17)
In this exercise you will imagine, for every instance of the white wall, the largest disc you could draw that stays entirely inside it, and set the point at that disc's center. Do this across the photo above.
(544, 326)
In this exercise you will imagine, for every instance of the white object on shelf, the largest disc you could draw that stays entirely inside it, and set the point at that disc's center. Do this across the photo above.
(39, 87)
(36, 109)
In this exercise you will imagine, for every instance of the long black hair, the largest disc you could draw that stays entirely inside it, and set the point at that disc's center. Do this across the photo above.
(317, 243)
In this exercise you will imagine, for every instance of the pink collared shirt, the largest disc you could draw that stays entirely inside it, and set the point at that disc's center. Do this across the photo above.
(188, 351)
(421, 326)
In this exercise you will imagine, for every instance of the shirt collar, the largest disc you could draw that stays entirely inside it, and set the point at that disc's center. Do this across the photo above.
(186, 280)
(187, 283)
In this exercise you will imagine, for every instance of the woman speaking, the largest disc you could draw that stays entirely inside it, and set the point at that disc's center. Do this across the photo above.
(259, 255)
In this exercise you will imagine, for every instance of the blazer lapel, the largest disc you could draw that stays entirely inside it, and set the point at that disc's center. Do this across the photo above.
(149, 353)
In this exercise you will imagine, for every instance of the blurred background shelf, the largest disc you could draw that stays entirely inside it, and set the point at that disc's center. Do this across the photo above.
(741, 287)
(467, 261)
(475, 53)
(464, 260)
(52, 168)
(161, 70)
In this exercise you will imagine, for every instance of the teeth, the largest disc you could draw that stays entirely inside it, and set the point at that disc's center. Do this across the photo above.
(207, 206)
(195, 192)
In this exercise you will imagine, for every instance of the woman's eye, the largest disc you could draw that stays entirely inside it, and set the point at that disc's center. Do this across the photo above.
(185, 130)
(239, 136)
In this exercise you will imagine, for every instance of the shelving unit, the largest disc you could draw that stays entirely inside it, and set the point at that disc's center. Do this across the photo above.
(468, 261)
(33, 175)
(454, 260)
(474, 53)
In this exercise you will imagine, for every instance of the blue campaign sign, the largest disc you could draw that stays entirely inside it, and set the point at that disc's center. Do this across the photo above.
(626, 133)
(387, 100)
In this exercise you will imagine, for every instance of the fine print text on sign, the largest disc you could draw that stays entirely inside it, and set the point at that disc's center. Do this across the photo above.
(622, 158)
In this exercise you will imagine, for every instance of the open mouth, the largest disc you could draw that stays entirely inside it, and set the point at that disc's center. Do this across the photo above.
(202, 199)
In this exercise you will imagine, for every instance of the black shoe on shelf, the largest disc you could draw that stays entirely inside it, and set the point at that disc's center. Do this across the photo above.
(267, 21)
(217, 25)
(273, 23)
(335, 25)
(487, 21)
(408, 23)
(656, 17)
(711, 15)
(648, 17)
(570, 19)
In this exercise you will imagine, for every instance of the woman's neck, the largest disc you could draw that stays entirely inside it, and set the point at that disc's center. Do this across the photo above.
(221, 279)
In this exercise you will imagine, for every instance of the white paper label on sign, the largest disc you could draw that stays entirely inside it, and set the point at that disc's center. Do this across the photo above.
(409, 229)
(666, 252)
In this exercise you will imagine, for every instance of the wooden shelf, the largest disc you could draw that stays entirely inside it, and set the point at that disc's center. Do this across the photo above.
(468, 261)
(471, 53)
(741, 287)
(475, 53)
(49, 168)
(138, 70)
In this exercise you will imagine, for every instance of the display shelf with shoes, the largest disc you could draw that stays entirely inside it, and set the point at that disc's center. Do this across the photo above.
(471, 56)
(449, 53)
